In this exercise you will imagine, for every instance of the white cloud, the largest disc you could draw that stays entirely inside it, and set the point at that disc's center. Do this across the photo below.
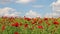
(50, 15)
(7, 11)
(56, 6)
(5, 1)
(55, 10)
(24, 1)
(15, 1)
(37, 6)
(32, 14)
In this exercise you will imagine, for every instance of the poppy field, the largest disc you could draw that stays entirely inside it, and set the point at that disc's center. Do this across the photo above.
(24, 25)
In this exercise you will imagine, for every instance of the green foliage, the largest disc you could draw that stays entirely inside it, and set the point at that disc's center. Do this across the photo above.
(22, 30)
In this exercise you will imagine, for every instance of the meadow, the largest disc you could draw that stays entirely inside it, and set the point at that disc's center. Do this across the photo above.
(24, 25)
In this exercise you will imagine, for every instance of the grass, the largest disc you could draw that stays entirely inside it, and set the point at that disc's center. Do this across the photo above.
(29, 25)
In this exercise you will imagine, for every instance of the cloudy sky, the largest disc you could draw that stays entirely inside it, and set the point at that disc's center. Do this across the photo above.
(30, 8)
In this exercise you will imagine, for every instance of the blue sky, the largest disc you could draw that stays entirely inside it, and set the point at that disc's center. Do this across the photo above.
(24, 6)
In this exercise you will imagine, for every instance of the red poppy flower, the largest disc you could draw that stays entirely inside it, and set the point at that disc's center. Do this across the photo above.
(48, 23)
(3, 27)
(33, 22)
(45, 18)
(15, 32)
(56, 23)
(26, 25)
(40, 27)
(15, 24)
(21, 24)
(28, 19)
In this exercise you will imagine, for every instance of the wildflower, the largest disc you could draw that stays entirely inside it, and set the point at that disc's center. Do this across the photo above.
(21, 24)
(56, 23)
(15, 32)
(33, 22)
(3, 27)
(28, 19)
(15, 24)
(45, 18)
(40, 27)
(48, 23)
(26, 25)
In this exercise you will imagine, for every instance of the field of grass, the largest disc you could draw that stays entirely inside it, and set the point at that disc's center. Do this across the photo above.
(29, 25)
